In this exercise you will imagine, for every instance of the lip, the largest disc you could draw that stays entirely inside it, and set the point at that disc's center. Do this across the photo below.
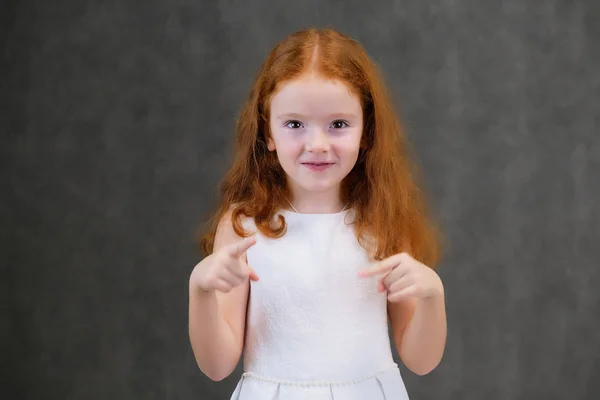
(317, 165)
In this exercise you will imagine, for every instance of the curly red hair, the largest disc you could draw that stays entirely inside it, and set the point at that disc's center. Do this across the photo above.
(382, 188)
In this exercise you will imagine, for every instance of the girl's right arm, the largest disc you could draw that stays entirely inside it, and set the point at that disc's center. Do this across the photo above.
(219, 287)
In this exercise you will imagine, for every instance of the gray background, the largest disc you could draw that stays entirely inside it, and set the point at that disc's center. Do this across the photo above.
(116, 121)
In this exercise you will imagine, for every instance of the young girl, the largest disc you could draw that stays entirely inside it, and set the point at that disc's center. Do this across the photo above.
(321, 239)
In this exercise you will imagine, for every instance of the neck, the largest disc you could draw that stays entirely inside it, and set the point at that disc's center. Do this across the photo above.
(316, 203)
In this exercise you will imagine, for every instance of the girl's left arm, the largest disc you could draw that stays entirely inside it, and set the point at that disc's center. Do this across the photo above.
(416, 309)
(419, 331)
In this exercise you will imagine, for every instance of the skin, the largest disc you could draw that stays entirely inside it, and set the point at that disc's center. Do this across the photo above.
(416, 308)
(315, 120)
(312, 121)
(218, 295)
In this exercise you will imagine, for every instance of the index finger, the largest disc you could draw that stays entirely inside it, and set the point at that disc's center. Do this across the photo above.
(381, 267)
(237, 249)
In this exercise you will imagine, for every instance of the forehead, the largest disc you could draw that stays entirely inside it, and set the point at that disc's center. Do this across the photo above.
(312, 94)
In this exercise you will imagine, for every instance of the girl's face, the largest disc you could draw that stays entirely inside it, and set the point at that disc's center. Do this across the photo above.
(316, 127)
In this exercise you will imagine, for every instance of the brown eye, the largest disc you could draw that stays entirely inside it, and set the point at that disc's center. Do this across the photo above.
(293, 124)
(340, 124)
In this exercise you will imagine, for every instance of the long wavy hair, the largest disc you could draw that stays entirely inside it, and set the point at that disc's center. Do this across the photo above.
(383, 187)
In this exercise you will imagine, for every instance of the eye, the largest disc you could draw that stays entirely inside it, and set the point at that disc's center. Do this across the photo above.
(339, 124)
(293, 124)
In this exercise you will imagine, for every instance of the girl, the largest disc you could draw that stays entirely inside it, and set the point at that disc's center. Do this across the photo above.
(321, 238)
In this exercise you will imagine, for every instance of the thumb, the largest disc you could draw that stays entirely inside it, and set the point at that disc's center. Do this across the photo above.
(253, 276)
(251, 273)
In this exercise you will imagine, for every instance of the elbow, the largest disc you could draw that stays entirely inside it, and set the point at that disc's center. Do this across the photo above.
(217, 368)
(216, 364)
(421, 364)
(423, 370)
(216, 377)
(216, 374)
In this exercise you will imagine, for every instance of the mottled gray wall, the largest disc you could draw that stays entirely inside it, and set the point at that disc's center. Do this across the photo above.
(115, 120)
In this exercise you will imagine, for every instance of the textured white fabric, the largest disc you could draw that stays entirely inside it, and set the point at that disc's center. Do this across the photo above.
(315, 330)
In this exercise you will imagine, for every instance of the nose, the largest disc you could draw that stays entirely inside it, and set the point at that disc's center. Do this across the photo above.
(317, 141)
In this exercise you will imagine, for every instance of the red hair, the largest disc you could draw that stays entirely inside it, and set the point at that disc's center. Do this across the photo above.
(382, 187)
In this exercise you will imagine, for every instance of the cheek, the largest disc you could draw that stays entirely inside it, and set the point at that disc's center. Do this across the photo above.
(349, 149)
(288, 151)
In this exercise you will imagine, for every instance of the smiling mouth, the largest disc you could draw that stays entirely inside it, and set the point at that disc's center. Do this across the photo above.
(317, 166)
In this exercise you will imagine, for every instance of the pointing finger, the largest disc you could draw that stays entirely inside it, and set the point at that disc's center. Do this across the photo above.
(381, 267)
(237, 249)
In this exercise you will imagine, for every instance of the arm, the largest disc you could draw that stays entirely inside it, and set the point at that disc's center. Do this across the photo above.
(419, 331)
(217, 319)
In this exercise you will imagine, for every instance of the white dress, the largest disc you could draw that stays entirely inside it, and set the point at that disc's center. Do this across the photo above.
(315, 330)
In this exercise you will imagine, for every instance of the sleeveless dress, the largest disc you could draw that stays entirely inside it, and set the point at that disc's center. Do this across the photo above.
(315, 330)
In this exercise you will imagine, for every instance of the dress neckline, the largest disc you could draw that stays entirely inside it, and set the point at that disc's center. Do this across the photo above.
(314, 216)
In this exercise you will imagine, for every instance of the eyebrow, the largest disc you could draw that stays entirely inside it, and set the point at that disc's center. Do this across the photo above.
(332, 115)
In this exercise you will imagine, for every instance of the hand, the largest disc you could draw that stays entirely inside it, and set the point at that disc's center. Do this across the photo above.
(225, 269)
(403, 277)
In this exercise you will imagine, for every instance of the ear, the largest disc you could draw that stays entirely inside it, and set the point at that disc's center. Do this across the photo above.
(270, 144)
